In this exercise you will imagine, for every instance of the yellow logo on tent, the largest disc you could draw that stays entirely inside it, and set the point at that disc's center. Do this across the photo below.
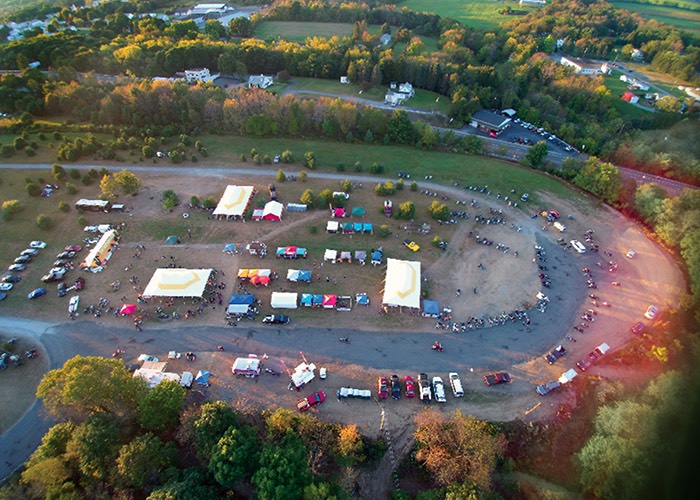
(412, 284)
(193, 278)
(241, 197)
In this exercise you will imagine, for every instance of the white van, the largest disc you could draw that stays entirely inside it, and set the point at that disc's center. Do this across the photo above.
(578, 246)
(560, 227)
(439, 390)
(456, 385)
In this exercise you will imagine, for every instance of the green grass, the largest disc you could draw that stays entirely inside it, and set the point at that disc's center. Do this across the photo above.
(480, 14)
(617, 87)
(296, 31)
(683, 19)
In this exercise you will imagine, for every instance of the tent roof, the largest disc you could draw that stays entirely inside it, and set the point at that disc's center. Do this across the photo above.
(172, 240)
(244, 298)
(305, 275)
(293, 275)
(367, 226)
(358, 210)
(284, 300)
(431, 307)
(306, 298)
(330, 300)
(332, 225)
(402, 283)
(202, 377)
(361, 298)
(234, 200)
(330, 254)
(168, 282)
(273, 209)
(360, 255)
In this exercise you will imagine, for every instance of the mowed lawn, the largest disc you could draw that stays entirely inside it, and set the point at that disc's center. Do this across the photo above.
(684, 19)
(481, 14)
(295, 31)
(617, 87)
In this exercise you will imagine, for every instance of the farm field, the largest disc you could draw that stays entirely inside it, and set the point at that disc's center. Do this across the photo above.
(480, 14)
(684, 19)
(299, 31)
(617, 87)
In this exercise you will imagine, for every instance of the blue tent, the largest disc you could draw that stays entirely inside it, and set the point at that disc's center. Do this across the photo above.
(247, 299)
(307, 299)
(229, 247)
(431, 308)
(362, 299)
(377, 256)
(305, 276)
(367, 228)
(317, 300)
(301, 252)
(357, 227)
(202, 377)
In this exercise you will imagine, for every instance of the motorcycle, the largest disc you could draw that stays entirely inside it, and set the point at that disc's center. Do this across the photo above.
(344, 339)
(437, 346)
(271, 372)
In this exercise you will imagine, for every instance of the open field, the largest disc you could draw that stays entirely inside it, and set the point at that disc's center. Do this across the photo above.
(617, 87)
(296, 31)
(480, 14)
(666, 82)
(681, 18)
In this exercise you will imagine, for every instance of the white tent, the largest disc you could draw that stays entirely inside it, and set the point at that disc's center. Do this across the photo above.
(283, 300)
(330, 255)
(293, 275)
(234, 201)
(402, 284)
(100, 253)
(155, 377)
(168, 282)
(332, 226)
(272, 210)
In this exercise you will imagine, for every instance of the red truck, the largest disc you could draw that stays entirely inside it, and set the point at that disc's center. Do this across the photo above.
(311, 401)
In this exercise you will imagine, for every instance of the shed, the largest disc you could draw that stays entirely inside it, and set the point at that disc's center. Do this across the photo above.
(272, 211)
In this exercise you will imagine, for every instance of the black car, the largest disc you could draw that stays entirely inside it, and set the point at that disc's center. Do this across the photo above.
(11, 278)
(276, 319)
(395, 387)
(65, 255)
(555, 354)
(62, 263)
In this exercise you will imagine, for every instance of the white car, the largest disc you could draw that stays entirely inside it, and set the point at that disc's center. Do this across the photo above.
(6, 287)
(456, 385)
(37, 244)
(630, 254)
(578, 246)
(322, 373)
(58, 271)
(651, 313)
(439, 390)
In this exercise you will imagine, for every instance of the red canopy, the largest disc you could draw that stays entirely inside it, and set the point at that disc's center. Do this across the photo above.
(330, 300)
(291, 251)
(127, 309)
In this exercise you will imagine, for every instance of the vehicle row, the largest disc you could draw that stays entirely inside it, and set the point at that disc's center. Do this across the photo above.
(427, 388)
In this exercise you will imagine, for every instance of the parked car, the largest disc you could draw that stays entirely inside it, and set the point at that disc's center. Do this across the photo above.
(525, 197)
(395, 387)
(544, 389)
(36, 293)
(17, 267)
(276, 319)
(3, 296)
(311, 401)
(637, 328)
(322, 373)
(410, 389)
(23, 259)
(456, 385)
(424, 386)
(6, 287)
(592, 356)
(11, 278)
(65, 255)
(578, 246)
(58, 270)
(651, 312)
(497, 378)
(439, 390)
(630, 254)
(47, 278)
(37, 244)
(382, 387)
(73, 248)
(30, 251)
(555, 354)
(62, 263)
(411, 245)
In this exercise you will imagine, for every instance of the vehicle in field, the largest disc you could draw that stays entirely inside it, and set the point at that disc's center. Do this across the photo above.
(276, 319)
(6, 287)
(556, 353)
(410, 388)
(456, 385)
(544, 389)
(48, 278)
(73, 304)
(17, 267)
(651, 312)
(395, 387)
(592, 356)
(439, 390)
(525, 197)
(147, 357)
(11, 278)
(36, 293)
(630, 254)
(578, 246)
(37, 244)
(311, 401)
(497, 378)
(349, 392)
(23, 259)
(424, 386)
(186, 379)
(637, 328)
(30, 251)
(411, 245)
(382, 388)
(73, 248)
(322, 373)
(559, 227)
(65, 255)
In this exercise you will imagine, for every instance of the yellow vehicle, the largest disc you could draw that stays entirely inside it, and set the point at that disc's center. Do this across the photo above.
(412, 245)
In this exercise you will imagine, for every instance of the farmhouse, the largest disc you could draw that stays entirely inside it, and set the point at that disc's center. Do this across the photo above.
(533, 3)
(261, 81)
(630, 97)
(582, 66)
(208, 8)
(489, 121)
(199, 75)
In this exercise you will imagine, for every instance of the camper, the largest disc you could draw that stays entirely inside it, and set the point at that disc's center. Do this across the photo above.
(93, 205)
(186, 380)
(560, 227)
(303, 374)
(456, 385)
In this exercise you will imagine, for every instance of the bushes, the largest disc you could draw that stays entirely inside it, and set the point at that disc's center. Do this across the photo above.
(376, 168)
(7, 150)
(59, 173)
(170, 199)
(383, 231)
(44, 222)
(385, 189)
(309, 160)
(63, 206)
(209, 202)
(33, 189)
(286, 156)
(74, 173)
(303, 176)
(70, 188)
(9, 209)
(87, 179)
(308, 198)
(439, 211)
(194, 201)
(281, 177)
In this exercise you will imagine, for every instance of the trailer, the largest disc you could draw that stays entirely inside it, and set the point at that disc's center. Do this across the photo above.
(93, 205)
(303, 374)
(250, 366)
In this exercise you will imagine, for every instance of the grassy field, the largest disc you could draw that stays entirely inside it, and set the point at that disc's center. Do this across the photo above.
(684, 19)
(480, 14)
(295, 31)
(667, 82)
(617, 87)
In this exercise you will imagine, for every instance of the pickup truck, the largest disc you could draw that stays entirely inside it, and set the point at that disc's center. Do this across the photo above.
(439, 390)
(497, 378)
(424, 386)
(555, 354)
(592, 356)
(311, 401)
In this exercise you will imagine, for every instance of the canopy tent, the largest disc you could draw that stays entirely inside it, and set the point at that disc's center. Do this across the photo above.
(259, 279)
(167, 282)
(402, 284)
(360, 256)
(273, 211)
(377, 256)
(202, 377)
(358, 211)
(307, 299)
(347, 228)
(330, 255)
(283, 300)
(338, 213)
(100, 253)
(367, 228)
(357, 227)
(317, 300)
(229, 248)
(245, 273)
(237, 309)
(243, 298)
(293, 275)
(362, 299)
(345, 256)
(329, 301)
(127, 309)
(172, 240)
(431, 308)
(234, 201)
(305, 275)
(332, 226)
(250, 366)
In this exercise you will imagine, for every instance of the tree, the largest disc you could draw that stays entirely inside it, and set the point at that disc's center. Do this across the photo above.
(128, 182)
(33, 189)
(346, 186)
(235, 456)
(10, 208)
(308, 198)
(147, 152)
(325, 198)
(407, 210)
(414, 186)
(109, 187)
(192, 484)
(54, 443)
(350, 444)
(309, 160)
(535, 155)
(94, 445)
(159, 408)
(170, 199)
(59, 173)
(457, 449)
(240, 27)
(284, 472)
(47, 477)
(648, 201)
(601, 179)
(214, 29)
(44, 222)
(214, 419)
(286, 156)
(63, 206)
(303, 176)
(142, 460)
(85, 385)
(401, 128)
(439, 211)
(281, 176)
(669, 104)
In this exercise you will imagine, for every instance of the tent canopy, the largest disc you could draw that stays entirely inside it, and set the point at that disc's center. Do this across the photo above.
(358, 211)
(330, 301)
(127, 309)
(273, 211)
(168, 282)
(234, 201)
(307, 299)
(402, 283)
(330, 255)
(172, 240)
(360, 255)
(305, 275)
(431, 307)
(202, 377)
(332, 226)
(293, 275)
(229, 247)
(244, 298)
(283, 300)
(362, 299)
(367, 227)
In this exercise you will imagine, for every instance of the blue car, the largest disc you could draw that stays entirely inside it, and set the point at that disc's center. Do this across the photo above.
(3, 296)
(37, 293)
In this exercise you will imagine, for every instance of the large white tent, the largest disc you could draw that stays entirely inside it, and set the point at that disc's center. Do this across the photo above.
(100, 253)
(234, 201)
(273, 210)
(284, 300)
(402, 284)
(168, 282)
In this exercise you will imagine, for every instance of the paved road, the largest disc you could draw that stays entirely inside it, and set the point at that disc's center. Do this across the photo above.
(673, 188)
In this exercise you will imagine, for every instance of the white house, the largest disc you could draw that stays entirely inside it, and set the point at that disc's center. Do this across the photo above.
(197, 75)
(637, 55)
(407, 89)
(582, 66)
(533, 3)
(395, 98)
(261, 81)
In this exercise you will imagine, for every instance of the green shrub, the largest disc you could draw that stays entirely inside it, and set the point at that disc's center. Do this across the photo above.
(340, 167)
(74, 173)
(414, 186)
(281, 177)
(82, 221)
(93, 173)
(313, 229)
(194, 201)
(59, 173)
(44, 222)
(7, 151)
(243, 159)
(33, 189)
(267, 160)
(87, 179)
(358, 167)
(9, 209)
(170, 199)
(257, 160)
(399, 185)
(70, 188)
(209, 202)
(309, 160)
(376, 168)
(303, 176)
(286, 156)
(63, 206)
(19, 143)
(30, 152)
(384, 231)
(436, 241)
(57, 136)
